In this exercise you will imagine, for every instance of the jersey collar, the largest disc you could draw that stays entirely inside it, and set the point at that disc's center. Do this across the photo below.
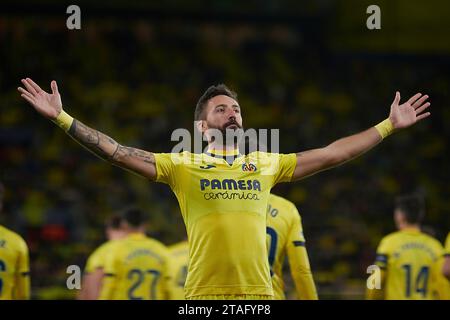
(228, 155)
(223, 153)
(411, 230)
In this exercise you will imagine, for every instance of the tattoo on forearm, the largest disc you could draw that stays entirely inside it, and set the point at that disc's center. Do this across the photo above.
(106, 147)
(93, 140)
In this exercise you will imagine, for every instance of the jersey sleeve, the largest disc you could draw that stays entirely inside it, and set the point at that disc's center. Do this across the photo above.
(165, 167)
(439, 284)
(298, 260)
(381, 260)
(93, 262)
(22, 290)
(285, 166)
(374, 293)
(382, 255)
(110, 274)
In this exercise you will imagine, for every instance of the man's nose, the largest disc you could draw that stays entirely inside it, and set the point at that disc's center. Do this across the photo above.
(231, 114)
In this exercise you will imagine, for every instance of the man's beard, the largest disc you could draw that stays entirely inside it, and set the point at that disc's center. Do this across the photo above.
(230, 135)
(226, 126)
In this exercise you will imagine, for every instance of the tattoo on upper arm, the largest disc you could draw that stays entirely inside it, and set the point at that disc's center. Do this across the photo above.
(123, 151)
(145, 156)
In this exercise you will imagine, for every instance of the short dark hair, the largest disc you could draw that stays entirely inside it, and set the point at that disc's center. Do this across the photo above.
(114, 222)
(211, 92)
(412, 206)
(134, 217)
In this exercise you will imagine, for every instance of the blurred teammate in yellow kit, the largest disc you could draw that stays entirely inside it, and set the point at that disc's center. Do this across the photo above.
(410, 260)
(180, 260)
(137, 267)
(94, 270)
(14, 263)
(14, 266)
(285, 238)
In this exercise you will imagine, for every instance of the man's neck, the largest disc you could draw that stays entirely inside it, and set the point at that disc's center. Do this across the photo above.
(407, 226)
(222, 147)
(223, 150)
(135, 232)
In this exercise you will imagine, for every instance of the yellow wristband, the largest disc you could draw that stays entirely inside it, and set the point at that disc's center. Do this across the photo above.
(64, 121)
(385, 128)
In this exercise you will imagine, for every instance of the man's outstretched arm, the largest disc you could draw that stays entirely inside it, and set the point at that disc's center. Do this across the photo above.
(345, 149)
(50, 106)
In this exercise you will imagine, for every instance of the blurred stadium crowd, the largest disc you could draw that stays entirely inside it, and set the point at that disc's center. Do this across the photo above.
(139, 80)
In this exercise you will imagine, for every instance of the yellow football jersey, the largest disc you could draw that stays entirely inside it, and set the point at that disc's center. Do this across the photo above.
(442, 285)
(443, 291)
(98, 258)
(137, 268)
(285, 237)
(14, 266)
(410, 260)
(224, 209)
(180, 258)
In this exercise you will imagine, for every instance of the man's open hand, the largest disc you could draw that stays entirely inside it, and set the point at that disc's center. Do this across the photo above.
(49, 105)
(410, 112)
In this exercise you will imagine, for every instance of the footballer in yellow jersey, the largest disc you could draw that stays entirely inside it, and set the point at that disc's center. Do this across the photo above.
(137, 267)
(223, 195)
(93, 272)
(14, 266)
(285, 238)
(221, 206)
(408, 258)
(446, 266)
(180, 259)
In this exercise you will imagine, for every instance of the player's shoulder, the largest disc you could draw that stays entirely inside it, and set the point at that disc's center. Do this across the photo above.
(262, 155)
(273, 156)
(432, 242)
(393, 236)
(105, 247)
(399, 237)
(178, 157)
(5, 232)
(273, 198)
(285, 206)
(391, 240)
(159, 248)
(156, 245)
(179, 248)
(14, 239)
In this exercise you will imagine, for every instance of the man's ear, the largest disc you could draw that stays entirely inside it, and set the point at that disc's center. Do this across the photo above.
(124, 226)
(201, 125)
